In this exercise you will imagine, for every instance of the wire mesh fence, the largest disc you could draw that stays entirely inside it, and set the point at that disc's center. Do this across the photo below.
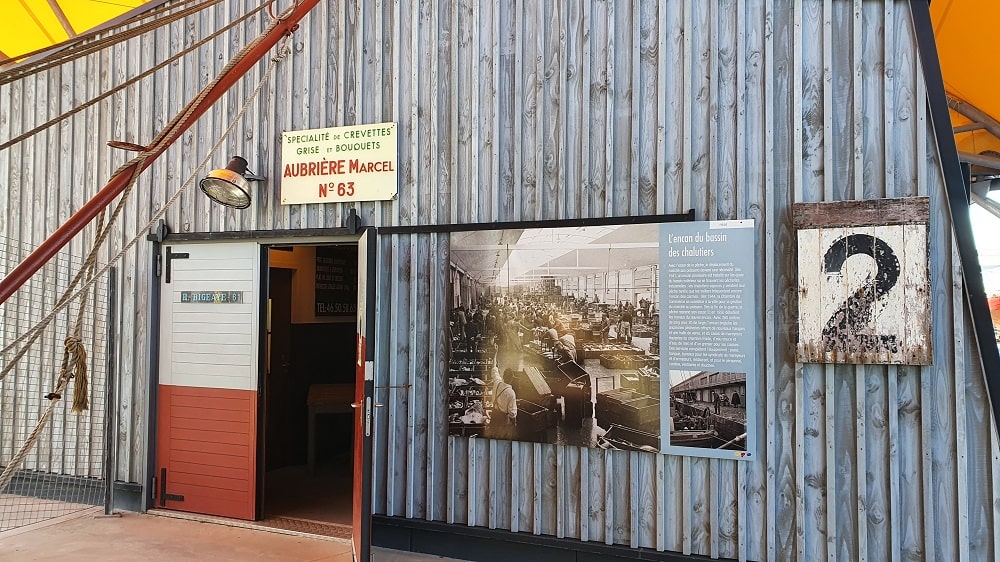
(64, 470)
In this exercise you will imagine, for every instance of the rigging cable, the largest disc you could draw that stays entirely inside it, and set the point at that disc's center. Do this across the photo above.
(126, 84)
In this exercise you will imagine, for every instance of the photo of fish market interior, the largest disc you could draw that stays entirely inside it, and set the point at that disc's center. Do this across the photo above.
(555, 338)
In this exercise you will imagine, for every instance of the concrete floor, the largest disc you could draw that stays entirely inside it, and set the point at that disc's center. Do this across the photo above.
(135, 537)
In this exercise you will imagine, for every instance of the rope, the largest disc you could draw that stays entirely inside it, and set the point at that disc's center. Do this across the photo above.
(127, 83)
(31, 335)
(74, 345)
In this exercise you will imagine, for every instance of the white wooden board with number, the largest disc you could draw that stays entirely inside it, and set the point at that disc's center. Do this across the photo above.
(863, 282)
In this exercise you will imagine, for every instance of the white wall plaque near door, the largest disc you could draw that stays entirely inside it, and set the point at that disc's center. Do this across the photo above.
(864, 287)
(355, 163)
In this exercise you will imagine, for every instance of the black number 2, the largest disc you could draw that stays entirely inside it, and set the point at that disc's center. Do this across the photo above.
(850, 329)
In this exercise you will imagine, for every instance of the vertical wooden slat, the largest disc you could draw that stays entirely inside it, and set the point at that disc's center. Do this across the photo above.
(468, 33)
(494, 497)
(528, 481)
(634, 511)
(713, 506)
(727, 134)
(536, 199)
(484, 461)
(516, 469)
(717, 84)
(796, 189)
(659, 177)
(609, 497)
(586, 507)
(399, 367)
(563, 495)
(487, 63)
(687, 97)
(830, 391)
(628, 203)
(892, 415)
(586, 109)
(517, 133)
(857, 188)
(453, 480)
(961, 451)
(571, 111)
(753, 524)
(660, 499)
(612, 133)
(437, 397)
(553, 119)
(770, 343)
(889, 71)
(537, 488)
(384, 344)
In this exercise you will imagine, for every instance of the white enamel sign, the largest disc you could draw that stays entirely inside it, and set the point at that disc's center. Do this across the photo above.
(336, 164)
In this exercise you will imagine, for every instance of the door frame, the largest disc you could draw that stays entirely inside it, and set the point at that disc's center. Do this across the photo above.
(263, 255)
(364, 405)
(265, 239)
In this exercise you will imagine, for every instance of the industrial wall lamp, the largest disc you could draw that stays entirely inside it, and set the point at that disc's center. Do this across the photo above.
(230, 186)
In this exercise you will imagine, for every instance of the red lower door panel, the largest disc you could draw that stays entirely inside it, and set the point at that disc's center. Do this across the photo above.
(206, 451)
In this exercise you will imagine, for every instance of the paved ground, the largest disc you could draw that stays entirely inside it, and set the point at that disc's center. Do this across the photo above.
(133, 537)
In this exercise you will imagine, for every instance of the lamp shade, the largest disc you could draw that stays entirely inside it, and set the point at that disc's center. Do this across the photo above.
(228, 186)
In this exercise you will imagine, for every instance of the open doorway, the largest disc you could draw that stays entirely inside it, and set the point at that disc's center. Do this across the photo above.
(309, 384)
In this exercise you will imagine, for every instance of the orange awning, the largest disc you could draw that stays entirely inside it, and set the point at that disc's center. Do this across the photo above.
(969, 64)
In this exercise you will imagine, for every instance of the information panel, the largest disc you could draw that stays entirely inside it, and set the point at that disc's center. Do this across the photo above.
(708, 324)
(356, 163)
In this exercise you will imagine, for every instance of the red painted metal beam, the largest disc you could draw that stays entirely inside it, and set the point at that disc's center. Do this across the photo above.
(20, 274)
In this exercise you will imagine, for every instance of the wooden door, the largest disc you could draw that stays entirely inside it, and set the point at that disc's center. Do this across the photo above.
(364, 405)
(206, 457)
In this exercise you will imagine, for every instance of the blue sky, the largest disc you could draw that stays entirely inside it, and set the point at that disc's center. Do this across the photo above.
(986, 229)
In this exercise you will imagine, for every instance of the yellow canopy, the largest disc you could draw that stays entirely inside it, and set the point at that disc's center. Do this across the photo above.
(29, 25)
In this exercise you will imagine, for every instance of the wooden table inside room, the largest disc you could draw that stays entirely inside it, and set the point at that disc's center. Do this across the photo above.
(326, 399)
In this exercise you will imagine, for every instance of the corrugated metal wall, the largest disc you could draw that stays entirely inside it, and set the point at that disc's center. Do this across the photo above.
(549, 110)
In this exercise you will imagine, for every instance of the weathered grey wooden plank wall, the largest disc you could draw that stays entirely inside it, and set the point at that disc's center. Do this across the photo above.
(548, 110)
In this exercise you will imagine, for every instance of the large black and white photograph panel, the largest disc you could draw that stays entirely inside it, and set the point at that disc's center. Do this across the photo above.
(555, 336)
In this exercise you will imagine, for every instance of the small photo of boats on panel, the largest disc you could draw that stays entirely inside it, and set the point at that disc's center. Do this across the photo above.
(708, 410)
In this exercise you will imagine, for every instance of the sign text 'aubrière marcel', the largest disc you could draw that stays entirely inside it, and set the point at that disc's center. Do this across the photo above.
(356, 163)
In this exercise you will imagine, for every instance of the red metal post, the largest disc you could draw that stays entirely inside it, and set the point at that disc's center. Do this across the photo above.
(20, 274)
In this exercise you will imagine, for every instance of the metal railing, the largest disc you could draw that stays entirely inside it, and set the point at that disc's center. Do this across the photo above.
(65, 468)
